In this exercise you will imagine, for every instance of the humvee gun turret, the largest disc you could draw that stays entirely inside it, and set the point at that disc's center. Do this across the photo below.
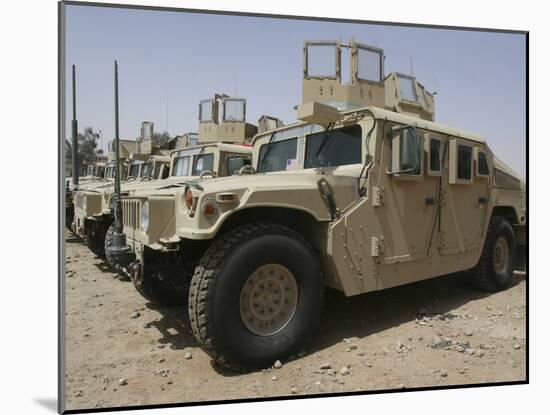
(353, 196)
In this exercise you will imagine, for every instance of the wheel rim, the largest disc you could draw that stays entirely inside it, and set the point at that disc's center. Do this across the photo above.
(500, 254)
(269, 299)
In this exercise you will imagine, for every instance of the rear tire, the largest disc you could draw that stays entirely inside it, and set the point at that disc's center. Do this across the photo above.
(256, 296)
(495, 267)
(108, 242)
(93, 239)
(122, 272)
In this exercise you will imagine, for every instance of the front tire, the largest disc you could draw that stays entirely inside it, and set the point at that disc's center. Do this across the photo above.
(256, 296)
(495, 267)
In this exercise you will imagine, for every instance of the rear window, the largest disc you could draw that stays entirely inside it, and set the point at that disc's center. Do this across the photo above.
(334, 147)
(203, 162)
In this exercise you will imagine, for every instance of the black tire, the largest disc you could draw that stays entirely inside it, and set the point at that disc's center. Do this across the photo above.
(159, 291)
(484, 275)
(215, 291)
(122, 272)
(94, 241)
(108, 243)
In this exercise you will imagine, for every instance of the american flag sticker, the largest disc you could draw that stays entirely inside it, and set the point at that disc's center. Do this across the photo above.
(292, 164)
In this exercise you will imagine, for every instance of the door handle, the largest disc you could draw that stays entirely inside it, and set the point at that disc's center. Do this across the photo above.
(482, 200)
(430, 201)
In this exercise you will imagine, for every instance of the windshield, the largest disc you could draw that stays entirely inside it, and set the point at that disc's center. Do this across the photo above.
(203, 162)
(181, 166)
(334, 147)
(235, 163)
(109, 172)
(278, 155)
(134, 170)
(146, 169)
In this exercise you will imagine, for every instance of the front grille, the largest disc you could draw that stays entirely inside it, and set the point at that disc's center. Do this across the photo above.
(131, 213)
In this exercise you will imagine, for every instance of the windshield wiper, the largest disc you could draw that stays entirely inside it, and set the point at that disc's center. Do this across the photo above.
(327, 135)
(269, 147)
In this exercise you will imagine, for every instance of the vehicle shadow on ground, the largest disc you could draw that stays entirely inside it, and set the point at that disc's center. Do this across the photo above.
(173, 326)
(72, 239)
(366, 314)
(102, 266)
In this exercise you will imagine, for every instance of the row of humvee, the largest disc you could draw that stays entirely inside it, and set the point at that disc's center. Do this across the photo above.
(247, 225)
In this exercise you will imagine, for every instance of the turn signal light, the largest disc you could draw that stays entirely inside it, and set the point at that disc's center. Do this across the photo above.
(209, 209)
(189, 199)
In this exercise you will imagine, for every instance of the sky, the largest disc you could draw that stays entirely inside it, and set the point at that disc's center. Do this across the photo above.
(169, 61)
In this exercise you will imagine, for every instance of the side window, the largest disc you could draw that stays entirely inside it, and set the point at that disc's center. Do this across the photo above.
(407, 151)
(434, 150)
(460, 162)
(482, 164)
(464, 162)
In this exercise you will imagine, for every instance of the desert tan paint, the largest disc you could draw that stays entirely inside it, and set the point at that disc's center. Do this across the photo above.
(388, 237)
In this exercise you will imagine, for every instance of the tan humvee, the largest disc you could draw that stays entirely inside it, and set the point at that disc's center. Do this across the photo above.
(90, 199)
(365, 192)
(206, 158)
(220, 149)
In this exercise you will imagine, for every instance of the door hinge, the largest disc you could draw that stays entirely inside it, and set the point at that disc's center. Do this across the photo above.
(377, 196)
(377, 246)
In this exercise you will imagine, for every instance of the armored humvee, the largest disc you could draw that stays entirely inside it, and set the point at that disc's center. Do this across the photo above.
(89, 201)
(221, 149)
(365, 192)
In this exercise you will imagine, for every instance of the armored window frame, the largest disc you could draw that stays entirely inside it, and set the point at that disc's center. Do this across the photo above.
(224, 112)
(457, 145)
(338, 58)
(356, 61)
(428, 140)
(479, 154)
(412, 79)
(213, 112)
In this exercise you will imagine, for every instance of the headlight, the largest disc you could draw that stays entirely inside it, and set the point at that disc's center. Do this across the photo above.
(144, 216)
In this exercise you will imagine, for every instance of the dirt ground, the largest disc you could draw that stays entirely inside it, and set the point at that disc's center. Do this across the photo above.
(122, 351)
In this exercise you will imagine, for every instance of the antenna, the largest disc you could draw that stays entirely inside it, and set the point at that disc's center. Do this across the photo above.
(235, 84)
(166, 123)
(412, 73)
(120, 251)
(74, 135)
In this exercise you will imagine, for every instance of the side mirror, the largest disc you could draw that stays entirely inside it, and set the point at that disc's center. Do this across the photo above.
(407, 151)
